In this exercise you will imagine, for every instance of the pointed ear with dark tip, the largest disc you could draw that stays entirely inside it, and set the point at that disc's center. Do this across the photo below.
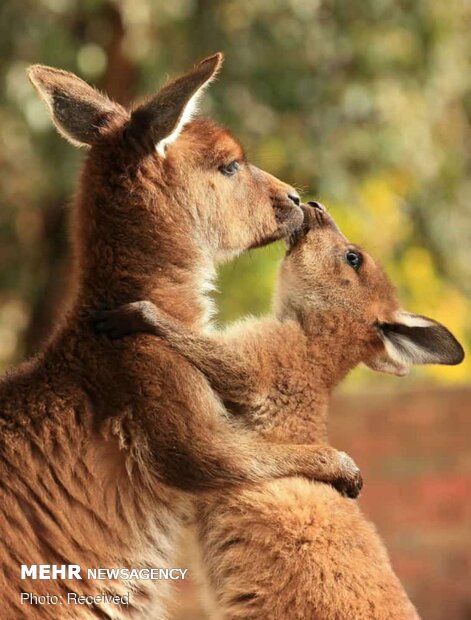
(162, 118)
(79, 112)
(415, 339)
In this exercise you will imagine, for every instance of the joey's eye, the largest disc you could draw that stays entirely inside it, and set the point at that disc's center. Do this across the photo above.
(229, 169)
(354, 259)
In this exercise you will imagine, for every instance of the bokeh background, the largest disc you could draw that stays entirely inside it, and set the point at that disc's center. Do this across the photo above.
(364, 105)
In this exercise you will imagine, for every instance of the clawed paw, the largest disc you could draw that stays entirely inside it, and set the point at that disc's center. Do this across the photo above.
(350, 482)
(132, 318)
(111, 323)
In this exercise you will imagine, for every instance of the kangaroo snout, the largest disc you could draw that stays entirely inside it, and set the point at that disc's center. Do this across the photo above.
(294, 197)
(317, 216)
(287, 208)
(284, 199)
(317, 205)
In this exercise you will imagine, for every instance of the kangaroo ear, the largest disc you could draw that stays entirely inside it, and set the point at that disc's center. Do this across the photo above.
(383, 363)
(415, 339)
(164, 116)
(79, 112)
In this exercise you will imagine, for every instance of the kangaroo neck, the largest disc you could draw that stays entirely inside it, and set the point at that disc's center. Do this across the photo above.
(138, 242)
(335, 342)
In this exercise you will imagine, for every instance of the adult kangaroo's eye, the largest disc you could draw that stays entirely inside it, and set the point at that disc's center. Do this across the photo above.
(230, 169)
(354, 259)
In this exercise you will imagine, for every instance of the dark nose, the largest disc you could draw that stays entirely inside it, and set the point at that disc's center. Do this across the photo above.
(294, 198)
(316, 205)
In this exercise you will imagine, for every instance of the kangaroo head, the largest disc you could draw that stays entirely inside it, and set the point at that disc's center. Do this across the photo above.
(191, 173)
(324, 274)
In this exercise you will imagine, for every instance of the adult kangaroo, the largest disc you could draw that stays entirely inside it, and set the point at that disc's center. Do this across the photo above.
(100, 440)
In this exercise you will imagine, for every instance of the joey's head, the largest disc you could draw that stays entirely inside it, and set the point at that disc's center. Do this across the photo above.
(162, 180)
(326, 280)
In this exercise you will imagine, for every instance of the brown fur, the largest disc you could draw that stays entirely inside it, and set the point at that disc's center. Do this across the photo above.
(293, 548)
(101, 440)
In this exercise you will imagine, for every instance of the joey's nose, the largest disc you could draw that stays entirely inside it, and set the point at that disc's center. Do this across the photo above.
(317, 205)
(294, 198)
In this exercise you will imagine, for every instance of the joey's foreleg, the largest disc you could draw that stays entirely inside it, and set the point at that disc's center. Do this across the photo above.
(230, 456)
(232, 375)
(214, 453)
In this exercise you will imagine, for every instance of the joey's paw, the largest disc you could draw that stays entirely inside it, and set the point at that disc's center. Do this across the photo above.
(339, 470)
(349, 482)
(135, 318)
(111, 323)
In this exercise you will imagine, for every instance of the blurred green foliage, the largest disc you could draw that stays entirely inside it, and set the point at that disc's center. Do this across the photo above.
(364, 105)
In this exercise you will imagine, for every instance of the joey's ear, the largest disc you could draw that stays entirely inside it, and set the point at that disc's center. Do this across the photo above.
(383, 363)
(79, 112)
(162, 118)
(414, 339)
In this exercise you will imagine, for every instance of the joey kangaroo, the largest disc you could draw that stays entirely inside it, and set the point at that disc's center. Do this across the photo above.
(294, 548)
(101, 441)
